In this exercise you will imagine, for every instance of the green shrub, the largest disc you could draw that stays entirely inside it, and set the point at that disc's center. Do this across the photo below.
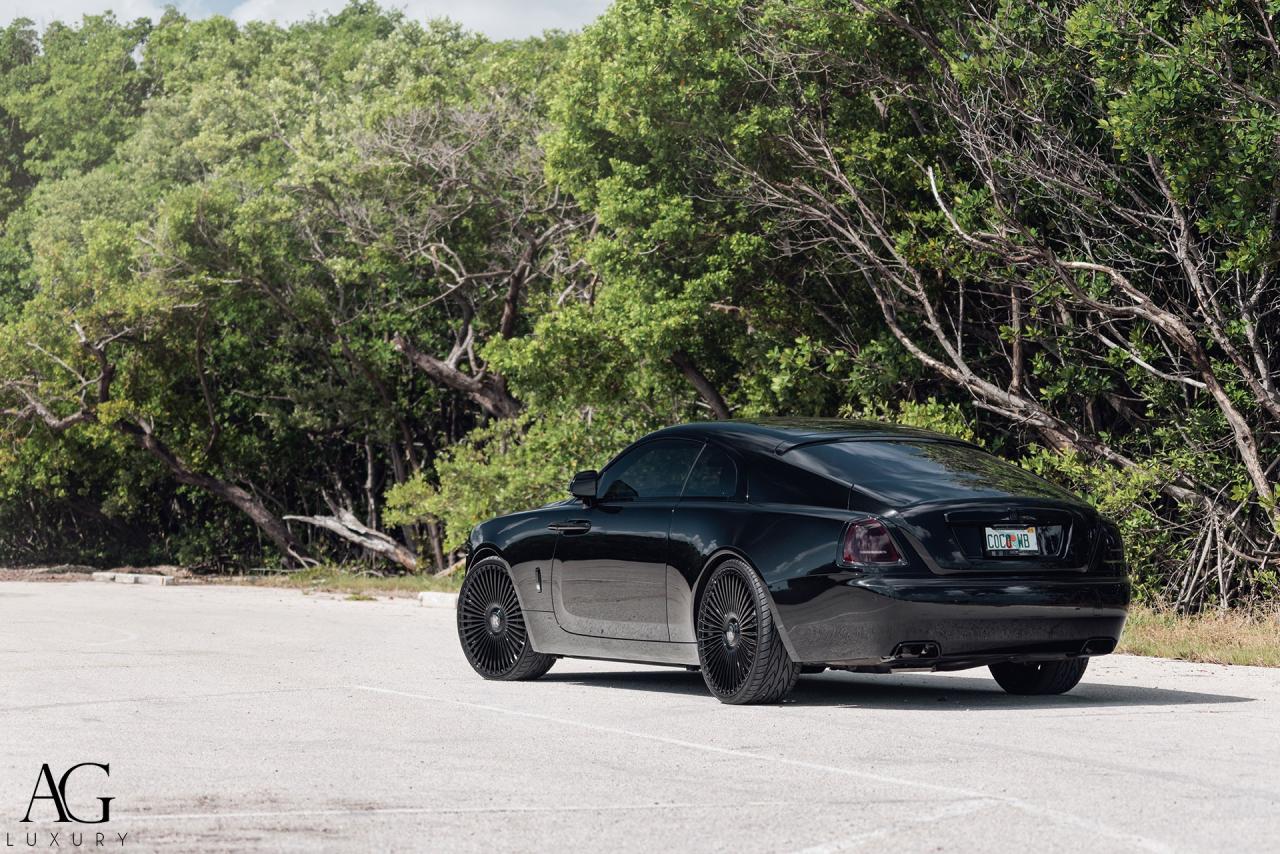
(509, 465)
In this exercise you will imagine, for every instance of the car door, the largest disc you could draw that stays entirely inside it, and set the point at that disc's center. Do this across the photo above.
(609, 575)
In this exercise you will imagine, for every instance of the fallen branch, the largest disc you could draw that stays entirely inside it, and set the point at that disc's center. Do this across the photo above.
(345, 525)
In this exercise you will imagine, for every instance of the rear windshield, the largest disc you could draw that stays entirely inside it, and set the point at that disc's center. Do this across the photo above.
(912, 471)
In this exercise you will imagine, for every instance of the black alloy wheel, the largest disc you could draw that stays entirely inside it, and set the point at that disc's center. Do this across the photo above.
(1039, 677)
(491, 626)
(743, 658)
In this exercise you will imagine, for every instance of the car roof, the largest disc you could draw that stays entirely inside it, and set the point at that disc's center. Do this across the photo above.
(779, 435)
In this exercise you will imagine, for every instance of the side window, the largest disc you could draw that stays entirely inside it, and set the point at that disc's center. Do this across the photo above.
(715, 475)
(772, 481)
(653, 470)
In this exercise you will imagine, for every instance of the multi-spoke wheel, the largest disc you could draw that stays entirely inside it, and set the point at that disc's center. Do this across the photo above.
(742, 656)
(491, 626)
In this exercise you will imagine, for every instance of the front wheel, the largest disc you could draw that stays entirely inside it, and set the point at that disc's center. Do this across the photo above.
(742, 655)
(1039, 677)
(491, 626)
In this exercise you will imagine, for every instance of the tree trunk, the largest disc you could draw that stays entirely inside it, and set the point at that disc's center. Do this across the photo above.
(436, 539)
(708, 392)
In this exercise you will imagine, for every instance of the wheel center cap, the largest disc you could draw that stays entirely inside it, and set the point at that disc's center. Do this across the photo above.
(731, 632)
(495, 620)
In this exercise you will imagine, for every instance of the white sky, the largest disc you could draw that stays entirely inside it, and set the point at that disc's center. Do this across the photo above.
(495, 18)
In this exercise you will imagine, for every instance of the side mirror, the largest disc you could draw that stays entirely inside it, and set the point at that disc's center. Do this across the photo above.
(583, 485)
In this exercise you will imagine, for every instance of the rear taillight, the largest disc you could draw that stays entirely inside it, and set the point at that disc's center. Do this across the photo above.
(867, 542)
(1112, 548)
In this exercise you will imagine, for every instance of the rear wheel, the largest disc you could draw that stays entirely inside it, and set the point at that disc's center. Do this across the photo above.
(491, 626)
(742, 656)
(1039, 677)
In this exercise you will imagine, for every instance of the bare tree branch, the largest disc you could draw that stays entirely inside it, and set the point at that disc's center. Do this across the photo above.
(706, 390)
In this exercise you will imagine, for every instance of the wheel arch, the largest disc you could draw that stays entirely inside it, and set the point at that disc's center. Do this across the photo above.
(700, 586)
(483, 551)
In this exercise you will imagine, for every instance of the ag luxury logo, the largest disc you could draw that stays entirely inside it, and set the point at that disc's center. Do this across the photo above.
(51, 801)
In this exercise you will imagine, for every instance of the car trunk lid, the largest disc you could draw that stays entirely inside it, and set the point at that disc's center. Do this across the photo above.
(1010, 536)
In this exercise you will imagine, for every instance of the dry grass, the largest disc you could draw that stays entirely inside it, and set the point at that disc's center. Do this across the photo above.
(357, 586)
(1216, 637)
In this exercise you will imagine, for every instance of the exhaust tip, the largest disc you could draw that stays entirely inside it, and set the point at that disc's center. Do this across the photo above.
(916, 650)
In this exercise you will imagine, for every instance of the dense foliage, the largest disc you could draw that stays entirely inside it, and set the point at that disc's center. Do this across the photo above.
(342, 289)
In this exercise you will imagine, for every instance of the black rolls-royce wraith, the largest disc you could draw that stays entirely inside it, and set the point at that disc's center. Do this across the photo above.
(755, 550)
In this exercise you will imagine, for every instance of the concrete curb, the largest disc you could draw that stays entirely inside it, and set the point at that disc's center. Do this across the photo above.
(438, 600)
(134, 578)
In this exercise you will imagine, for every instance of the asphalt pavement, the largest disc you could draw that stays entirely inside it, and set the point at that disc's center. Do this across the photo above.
(242, 719)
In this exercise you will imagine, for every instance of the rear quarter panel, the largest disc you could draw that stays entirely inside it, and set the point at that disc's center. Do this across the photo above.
(785, 543)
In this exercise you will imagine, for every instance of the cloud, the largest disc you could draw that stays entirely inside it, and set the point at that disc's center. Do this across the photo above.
(44, 12)
(495, 18)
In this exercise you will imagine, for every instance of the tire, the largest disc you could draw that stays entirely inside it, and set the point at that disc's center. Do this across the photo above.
(742, 655)
(1039, 677)
(491, 626)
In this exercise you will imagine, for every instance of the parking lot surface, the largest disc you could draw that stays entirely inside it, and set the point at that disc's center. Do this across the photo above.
(239, 719)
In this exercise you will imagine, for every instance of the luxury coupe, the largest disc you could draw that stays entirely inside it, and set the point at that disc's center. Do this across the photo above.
(754, 551)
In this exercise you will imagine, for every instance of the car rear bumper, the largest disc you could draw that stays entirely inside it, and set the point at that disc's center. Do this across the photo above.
(848, 619)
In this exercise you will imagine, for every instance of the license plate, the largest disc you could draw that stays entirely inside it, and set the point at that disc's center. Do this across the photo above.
(1012, 541)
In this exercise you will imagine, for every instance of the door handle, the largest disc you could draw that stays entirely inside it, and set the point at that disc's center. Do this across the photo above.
(573, 526)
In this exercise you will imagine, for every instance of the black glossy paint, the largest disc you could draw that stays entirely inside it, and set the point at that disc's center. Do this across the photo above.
(620, 578)
(611, 580)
